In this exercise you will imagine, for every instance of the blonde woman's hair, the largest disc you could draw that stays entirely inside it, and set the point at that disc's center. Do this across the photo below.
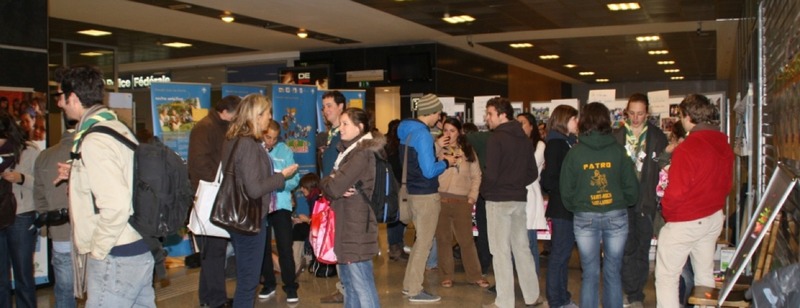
(246, 121)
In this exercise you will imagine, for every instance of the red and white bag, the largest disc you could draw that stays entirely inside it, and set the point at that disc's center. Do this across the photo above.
(323, 230)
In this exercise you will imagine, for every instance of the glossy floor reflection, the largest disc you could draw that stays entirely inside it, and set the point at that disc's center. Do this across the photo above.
(180, 290)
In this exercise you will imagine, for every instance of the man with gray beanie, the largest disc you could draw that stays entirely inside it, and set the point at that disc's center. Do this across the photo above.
(423, 170)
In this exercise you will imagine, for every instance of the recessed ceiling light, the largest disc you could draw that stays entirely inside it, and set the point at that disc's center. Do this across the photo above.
(623, 6)
(651, 38)
(458, 19)
(666, 62)
(302, 33)
(676, 78)
(570, 65)
(673, 70)
(586, 73)
(521, 45)
(177, 45)
(94, 32)
(227, 17)
(548, 57)
(658, 52)
(601, 80)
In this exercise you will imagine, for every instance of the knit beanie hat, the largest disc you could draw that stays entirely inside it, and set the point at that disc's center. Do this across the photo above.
(428, 104)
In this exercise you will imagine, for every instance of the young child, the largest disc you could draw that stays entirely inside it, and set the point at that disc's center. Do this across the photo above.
(309, 187)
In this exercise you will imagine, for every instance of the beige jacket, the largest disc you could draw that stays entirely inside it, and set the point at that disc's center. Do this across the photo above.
(463, 180)
(104, 173)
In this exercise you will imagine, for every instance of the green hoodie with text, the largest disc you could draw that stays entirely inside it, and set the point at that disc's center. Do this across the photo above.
(598, 176)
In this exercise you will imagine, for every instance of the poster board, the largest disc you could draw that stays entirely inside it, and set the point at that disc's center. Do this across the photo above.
(781, 184)
(176, 107)
(293, 107)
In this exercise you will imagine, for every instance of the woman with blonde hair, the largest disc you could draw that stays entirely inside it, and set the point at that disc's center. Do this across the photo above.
(254, 168)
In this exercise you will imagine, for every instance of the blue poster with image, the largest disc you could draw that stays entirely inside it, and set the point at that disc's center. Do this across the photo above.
(241, 90)
(294, 109)
(176, 107)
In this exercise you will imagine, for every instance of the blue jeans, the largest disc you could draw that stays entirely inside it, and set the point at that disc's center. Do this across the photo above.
(358, 281)
(395, 232)
(561, 243)
(533, 242)
(609, 229)
(120, 281)
(63, 272)
(433, 257)
(249, 251)
(17, 243)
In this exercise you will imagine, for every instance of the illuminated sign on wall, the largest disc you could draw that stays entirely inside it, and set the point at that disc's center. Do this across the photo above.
(138, 81)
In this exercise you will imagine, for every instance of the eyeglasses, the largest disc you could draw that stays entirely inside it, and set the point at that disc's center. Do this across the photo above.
(56, 95)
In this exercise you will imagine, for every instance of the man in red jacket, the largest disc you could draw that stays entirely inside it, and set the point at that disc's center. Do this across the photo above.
(700, 178)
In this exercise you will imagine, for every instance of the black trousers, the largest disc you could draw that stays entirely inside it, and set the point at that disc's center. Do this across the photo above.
(212, 270)
(281, 223)
(482, 244)
(635, 261)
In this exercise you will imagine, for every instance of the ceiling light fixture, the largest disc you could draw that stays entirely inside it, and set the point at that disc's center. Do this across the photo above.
(586, 73)
(666, 62)
(177, 45)
(601, 80)
(629, 6)
(457, 19)
(673, 70)
(302, 33)
(651, 38)
(521, 45)
(548, 57)
(658, 52)
(93, 32)
(676, 78)
(92, 53)
(227, 17)
(570, 65)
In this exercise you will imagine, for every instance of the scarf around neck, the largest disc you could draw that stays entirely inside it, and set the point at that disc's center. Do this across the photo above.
(101, 116)
(635, 147)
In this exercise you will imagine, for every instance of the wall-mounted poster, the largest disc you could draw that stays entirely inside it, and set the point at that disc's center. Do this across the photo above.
(293, 107)
(605, 96)
(29, 108)
(306, 75)
(176, 108)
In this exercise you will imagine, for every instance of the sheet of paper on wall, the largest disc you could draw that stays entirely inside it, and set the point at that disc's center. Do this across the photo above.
(604, 96)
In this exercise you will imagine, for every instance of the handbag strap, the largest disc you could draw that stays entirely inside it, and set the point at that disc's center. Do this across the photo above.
(405, 163)
(229, 166)
(218, 178)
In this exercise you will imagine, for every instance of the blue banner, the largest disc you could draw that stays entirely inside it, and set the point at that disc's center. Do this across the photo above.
(241, 90)
(176, 107)
(294, 109)
(353, 98)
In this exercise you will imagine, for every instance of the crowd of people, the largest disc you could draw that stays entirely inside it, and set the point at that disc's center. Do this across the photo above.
(604, 189)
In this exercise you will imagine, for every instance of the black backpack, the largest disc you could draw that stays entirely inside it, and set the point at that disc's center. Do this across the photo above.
(162, 194)
(384, 201)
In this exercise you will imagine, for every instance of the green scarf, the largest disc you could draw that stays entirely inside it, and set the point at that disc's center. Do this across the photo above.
(101, 116)
(636, 146)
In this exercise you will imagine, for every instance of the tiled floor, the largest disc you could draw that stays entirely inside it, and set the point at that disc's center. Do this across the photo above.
(180, 290)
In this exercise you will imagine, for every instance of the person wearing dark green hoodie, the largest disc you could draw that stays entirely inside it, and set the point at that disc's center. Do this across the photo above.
(598, 183)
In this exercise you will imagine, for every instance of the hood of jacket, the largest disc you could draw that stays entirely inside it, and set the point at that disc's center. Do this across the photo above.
(596, 140)
(374, 141)
(512, 128)
(408, 126)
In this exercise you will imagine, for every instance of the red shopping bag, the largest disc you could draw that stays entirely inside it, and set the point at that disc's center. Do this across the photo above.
(323, 225)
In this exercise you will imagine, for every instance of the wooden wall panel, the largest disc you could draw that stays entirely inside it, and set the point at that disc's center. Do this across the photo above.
(526, 86)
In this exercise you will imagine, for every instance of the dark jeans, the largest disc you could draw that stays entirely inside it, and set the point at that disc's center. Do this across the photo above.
(636, 261)
(395, 232)
(212, 270)
(562, 243)
(482, 244)
(17, 243)
(281, 223)
(249, 251)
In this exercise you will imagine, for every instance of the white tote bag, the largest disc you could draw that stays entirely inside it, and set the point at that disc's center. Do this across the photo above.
(199, 222)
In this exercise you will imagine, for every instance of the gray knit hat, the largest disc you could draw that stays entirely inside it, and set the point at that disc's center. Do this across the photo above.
(428, 104)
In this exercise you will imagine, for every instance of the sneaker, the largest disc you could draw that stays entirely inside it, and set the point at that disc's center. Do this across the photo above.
(405, 292)
(424, 297)
(266, 292)
(571, 304)
(628, 304)
(291, 297)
